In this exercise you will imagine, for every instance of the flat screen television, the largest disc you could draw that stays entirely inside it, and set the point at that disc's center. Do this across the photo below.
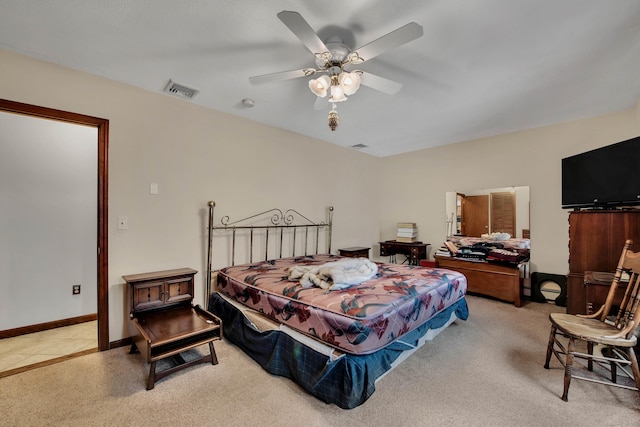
(607, 177)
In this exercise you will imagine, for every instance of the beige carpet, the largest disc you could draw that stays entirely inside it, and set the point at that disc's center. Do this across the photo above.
(486, 371)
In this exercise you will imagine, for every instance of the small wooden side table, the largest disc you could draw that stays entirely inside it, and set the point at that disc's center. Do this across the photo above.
(413, 252)
(597, 285)
(355, 252)
(164, 322)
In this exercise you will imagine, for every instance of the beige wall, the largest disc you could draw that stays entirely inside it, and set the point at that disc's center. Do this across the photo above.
(527, 158)
(196, 155)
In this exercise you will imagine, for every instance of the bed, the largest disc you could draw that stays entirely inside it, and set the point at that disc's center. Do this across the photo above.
(334, 343)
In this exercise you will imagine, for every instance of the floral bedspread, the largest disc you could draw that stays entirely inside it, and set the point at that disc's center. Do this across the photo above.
(360, 319)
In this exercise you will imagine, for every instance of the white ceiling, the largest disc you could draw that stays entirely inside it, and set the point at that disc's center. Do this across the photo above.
(482, 68)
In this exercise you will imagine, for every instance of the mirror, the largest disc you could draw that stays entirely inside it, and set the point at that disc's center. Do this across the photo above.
(495, 210)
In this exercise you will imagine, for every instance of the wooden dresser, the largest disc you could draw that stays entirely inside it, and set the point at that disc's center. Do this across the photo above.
(597, 285)
(164, 322)
(596, 238)
(499, 281)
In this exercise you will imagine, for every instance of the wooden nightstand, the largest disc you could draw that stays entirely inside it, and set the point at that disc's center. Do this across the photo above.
(164, 323)
(597, 285)
(355, 252)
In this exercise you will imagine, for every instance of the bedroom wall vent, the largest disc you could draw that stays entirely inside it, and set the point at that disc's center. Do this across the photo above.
(181, 90)
(358, 146)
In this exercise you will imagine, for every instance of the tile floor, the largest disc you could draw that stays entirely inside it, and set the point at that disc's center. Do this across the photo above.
(29, 349)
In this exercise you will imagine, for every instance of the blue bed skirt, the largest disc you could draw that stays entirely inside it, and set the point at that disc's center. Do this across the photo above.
(347, 381)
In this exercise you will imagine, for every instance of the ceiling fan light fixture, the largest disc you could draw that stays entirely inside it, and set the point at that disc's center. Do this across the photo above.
(333, 56)
(350, 82)
(320, 86)
(337, 94)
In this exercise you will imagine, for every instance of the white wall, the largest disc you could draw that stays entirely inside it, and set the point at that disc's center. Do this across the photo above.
(48, 219)
(197, 155)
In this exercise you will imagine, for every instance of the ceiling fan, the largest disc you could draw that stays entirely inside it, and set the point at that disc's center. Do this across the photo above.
(335, 59)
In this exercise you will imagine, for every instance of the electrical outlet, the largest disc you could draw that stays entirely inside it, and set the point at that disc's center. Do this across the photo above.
(76, 290)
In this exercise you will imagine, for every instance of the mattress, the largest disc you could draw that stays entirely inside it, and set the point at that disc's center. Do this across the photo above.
(359, 320)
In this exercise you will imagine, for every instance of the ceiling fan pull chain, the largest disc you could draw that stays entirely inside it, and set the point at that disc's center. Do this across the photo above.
(333, 118)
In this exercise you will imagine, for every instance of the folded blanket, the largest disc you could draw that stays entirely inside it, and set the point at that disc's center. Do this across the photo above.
(335, 275)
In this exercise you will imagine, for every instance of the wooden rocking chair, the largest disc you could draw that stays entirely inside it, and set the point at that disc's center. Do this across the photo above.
(615, 333)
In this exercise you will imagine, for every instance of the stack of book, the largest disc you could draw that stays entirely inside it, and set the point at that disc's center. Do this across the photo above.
(407, 232)
(444, 251)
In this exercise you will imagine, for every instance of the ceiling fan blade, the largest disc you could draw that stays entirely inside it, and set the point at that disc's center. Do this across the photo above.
(284, 75)
(373, 81)
(303, 31)
(321, 103)
(396, 38)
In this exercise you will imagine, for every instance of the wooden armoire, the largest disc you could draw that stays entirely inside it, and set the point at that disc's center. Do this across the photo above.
(596, 238)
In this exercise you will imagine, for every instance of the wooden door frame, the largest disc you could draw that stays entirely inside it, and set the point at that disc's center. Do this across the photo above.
(103, 174)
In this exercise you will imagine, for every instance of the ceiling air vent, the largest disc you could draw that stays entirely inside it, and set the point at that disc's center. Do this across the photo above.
(358, 146)
(181, 90)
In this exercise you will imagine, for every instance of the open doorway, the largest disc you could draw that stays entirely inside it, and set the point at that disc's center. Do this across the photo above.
(101, 258)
